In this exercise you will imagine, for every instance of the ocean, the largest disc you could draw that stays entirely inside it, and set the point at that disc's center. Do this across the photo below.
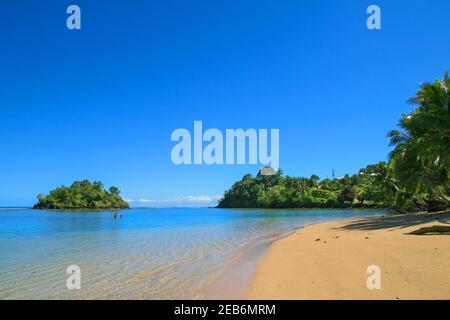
(149, 253)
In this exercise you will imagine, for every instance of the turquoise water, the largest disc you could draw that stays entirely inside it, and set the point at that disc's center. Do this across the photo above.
(149, 253)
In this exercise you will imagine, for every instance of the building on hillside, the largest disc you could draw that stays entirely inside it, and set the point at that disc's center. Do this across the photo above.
(267, 171)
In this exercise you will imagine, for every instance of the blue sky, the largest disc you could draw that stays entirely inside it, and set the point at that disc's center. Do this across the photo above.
(101, 102)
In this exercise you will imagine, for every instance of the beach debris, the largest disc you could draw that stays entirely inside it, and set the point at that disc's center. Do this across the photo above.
(317, 239)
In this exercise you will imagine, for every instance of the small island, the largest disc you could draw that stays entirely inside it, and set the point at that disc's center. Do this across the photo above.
(82, 195)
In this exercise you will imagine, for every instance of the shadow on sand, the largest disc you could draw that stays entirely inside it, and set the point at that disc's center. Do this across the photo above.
(397, 221)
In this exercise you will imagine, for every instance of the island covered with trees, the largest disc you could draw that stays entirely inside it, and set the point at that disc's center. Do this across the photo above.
(278, 191)
(82, 195)
(415, 177)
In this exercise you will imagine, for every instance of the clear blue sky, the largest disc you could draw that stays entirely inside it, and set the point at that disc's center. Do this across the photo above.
(101, 103)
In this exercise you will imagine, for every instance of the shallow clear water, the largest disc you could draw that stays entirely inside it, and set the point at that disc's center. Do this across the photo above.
(149, 253)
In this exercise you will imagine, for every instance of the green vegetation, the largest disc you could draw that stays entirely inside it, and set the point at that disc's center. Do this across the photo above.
(82, 195)
(420, 161)
(364, 189)
(416, 177)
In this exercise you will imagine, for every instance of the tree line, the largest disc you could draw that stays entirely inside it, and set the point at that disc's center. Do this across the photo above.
(415, 177)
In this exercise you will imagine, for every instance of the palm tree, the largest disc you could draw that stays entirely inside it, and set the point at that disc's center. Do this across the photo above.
(421, 157)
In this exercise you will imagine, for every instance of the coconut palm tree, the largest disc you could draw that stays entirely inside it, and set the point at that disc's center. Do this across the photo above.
(421, 158)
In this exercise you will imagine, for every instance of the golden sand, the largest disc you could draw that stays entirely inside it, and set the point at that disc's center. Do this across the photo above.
(330, 260)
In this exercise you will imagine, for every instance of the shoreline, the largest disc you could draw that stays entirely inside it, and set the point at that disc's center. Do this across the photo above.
(233, 280)
(329, 260)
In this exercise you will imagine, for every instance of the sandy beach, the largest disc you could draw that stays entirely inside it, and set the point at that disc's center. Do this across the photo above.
(330, 260)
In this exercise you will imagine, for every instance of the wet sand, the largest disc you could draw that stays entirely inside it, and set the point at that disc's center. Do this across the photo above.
(330, 260)
(235, 277)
